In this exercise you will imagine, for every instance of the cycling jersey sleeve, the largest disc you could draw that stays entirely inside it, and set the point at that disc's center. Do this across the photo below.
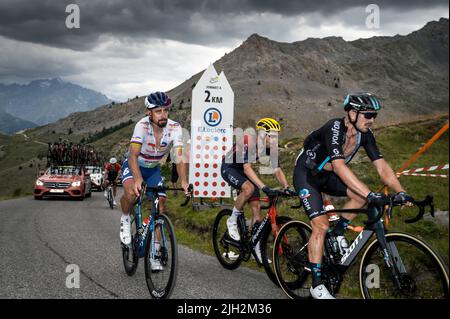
(370, 145)
(138, 134)
(334, 139)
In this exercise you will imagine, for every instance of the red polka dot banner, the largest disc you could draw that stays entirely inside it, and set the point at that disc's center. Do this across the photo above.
(211, 133)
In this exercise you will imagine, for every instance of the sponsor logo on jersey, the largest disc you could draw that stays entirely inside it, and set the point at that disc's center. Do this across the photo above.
(306, 204)
(336, 128)
(304, 193)
(311, 154)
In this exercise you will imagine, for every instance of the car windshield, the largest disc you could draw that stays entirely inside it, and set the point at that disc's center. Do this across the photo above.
(67, 170)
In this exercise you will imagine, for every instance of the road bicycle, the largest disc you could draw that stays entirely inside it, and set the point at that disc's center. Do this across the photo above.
(144, 238)
(394, 265)
(232, 253)
(110, 196)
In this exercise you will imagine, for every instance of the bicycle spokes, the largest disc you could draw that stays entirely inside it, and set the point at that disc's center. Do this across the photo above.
(161, 260)
(413, 271)
(291, 260)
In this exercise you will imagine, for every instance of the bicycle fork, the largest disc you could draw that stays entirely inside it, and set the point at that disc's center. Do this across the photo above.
(157, 224)
(391, 256)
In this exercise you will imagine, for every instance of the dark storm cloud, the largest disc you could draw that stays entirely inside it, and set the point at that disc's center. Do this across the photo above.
(190, 21)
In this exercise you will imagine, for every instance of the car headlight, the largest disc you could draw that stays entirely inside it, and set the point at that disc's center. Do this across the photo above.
(39, 183)
(76, 184)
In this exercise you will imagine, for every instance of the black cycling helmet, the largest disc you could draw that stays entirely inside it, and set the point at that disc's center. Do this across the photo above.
(361, 101)
(157, 99)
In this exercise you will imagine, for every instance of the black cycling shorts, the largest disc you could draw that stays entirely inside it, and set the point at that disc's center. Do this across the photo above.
(236, 178)
(309, 187)
(174, 173)
(112, 176)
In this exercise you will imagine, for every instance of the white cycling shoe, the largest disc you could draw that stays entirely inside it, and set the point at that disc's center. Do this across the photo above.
(114, 203)
(233, 230)
(320, 292)
(231, 255)
(155, 264)
(125, 230)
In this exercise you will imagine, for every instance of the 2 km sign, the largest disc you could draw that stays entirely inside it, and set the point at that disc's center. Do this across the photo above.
(211, 133)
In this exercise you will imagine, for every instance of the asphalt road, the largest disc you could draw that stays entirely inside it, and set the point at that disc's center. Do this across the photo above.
(40, 239)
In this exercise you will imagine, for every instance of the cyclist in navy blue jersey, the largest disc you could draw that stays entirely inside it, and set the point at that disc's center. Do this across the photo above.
(321, 167)
(237, 171)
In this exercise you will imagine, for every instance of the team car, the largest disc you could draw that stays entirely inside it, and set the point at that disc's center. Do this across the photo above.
(68, 181)
(96, 174)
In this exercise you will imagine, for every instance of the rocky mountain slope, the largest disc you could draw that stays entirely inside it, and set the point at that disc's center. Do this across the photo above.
(10, 124)
(302, 84)
(46, 101)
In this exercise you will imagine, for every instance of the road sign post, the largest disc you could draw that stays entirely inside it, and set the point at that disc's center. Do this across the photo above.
(211, 133)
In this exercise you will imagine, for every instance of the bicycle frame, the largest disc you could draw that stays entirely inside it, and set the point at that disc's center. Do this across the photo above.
(143, 230)
(391, 256)
(270, 219)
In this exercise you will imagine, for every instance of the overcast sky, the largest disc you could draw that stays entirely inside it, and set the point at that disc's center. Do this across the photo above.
(125, 48)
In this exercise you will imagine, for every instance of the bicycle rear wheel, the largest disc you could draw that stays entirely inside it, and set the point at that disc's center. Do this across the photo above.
(290, 258)
(421, 271)
(228, 255)
(267, 244)
(161, 283)
(130, 254)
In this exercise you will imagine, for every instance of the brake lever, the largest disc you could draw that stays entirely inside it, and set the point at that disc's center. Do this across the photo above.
(428, 201)
(141, 194)
(188, 198)
(389, 213)
(370, 222)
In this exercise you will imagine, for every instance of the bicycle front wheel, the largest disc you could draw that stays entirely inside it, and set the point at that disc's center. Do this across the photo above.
(229, 255)
(161, 264)
(420, 270)
(290, 258)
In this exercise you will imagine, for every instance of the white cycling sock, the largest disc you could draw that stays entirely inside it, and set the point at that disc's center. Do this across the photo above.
(156, 247)
(235, 214)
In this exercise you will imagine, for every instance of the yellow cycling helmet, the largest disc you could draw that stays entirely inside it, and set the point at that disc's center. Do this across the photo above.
(268, 124)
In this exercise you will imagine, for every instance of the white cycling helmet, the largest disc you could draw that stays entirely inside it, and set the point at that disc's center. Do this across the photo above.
(113, 160)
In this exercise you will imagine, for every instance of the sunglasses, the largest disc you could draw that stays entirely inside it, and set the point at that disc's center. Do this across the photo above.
(370, 115)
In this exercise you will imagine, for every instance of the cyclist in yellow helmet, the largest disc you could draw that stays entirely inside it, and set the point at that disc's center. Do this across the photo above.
(237, 170)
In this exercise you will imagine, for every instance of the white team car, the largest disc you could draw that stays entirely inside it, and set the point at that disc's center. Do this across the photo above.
(96, 173)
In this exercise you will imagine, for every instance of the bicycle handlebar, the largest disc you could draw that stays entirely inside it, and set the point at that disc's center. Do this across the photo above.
(390, 202)
(273, 197)
(188, 198)
(162, 188)
(428, 201)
